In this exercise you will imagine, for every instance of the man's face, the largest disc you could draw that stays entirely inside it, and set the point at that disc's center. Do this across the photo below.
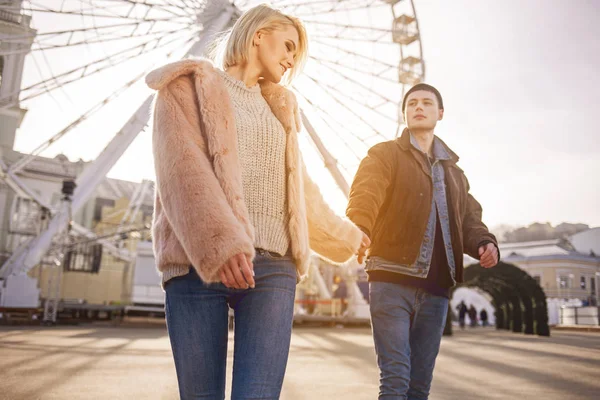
(422, 111)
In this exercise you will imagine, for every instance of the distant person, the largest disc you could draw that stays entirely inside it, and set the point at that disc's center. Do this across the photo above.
(462, 314)
(473, 316)
(483, 316)
(341, 292)
(410, 197)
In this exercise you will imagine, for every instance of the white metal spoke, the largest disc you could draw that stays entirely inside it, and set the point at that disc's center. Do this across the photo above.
(80, 42)
(355, 29)
(380, 65)
(166, 7)
(93, 67)
(102, 12)
(310, 9)
(327, 120)
(97, 7)
(72, 32)
(377, 74)
(354, 80)
(355, 99)
(285, 4)
(354, 114)
(16, 167)
(375, 39)
(345, 130)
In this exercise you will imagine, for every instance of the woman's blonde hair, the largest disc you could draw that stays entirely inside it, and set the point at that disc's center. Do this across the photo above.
(233, 48)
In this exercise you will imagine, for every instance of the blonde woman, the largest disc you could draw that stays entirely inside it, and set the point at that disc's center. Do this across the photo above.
(236, 213)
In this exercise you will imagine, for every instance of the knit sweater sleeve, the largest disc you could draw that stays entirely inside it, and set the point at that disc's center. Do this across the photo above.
(193, 200)
(330, 235)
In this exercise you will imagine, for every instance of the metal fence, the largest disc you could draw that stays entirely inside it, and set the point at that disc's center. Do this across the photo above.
(589, 316)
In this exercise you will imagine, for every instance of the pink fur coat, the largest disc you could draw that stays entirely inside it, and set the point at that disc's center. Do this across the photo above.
(200, 217)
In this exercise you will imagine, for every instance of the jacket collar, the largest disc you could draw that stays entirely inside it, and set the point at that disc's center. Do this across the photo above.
(440, 149)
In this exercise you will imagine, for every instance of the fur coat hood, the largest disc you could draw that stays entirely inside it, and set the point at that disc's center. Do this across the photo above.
(200, 217)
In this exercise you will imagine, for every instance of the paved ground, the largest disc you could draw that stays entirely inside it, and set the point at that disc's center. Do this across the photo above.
(127, 362)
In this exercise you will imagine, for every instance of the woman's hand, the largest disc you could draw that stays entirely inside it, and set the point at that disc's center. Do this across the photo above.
(238, 272)
(362, 250)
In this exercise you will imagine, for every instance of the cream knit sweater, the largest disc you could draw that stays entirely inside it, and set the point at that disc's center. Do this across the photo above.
(261, 141)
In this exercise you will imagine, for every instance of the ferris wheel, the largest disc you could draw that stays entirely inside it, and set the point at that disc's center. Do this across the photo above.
(363, 56)
(86, 61)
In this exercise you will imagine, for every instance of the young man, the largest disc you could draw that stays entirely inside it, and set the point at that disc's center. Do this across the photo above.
(413, 201)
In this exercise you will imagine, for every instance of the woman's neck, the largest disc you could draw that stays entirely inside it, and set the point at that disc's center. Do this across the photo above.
(246, 74)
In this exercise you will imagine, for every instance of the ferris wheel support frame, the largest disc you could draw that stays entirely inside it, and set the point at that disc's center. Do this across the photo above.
(330, 162)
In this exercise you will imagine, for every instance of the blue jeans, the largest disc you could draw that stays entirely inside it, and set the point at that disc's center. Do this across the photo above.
(197, 321)
(407, 329)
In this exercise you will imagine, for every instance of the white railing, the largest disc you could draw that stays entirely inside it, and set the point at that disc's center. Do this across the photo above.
(589, 316)
(568, 293)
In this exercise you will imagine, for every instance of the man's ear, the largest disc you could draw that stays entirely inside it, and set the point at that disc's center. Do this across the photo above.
(441, 114)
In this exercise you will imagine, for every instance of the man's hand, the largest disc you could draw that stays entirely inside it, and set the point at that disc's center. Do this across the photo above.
(488, 255)
(362, 250)
(238, 272)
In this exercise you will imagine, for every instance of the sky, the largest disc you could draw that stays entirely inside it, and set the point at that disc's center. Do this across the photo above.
(520, 86)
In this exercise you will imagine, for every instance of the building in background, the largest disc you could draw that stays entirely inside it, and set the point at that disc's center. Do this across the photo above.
(567, 269)
(90, 273)
(587, 242)
(110, 281)
(560, 269)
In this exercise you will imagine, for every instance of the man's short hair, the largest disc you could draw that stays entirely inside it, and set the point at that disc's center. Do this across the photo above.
(427, 88)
